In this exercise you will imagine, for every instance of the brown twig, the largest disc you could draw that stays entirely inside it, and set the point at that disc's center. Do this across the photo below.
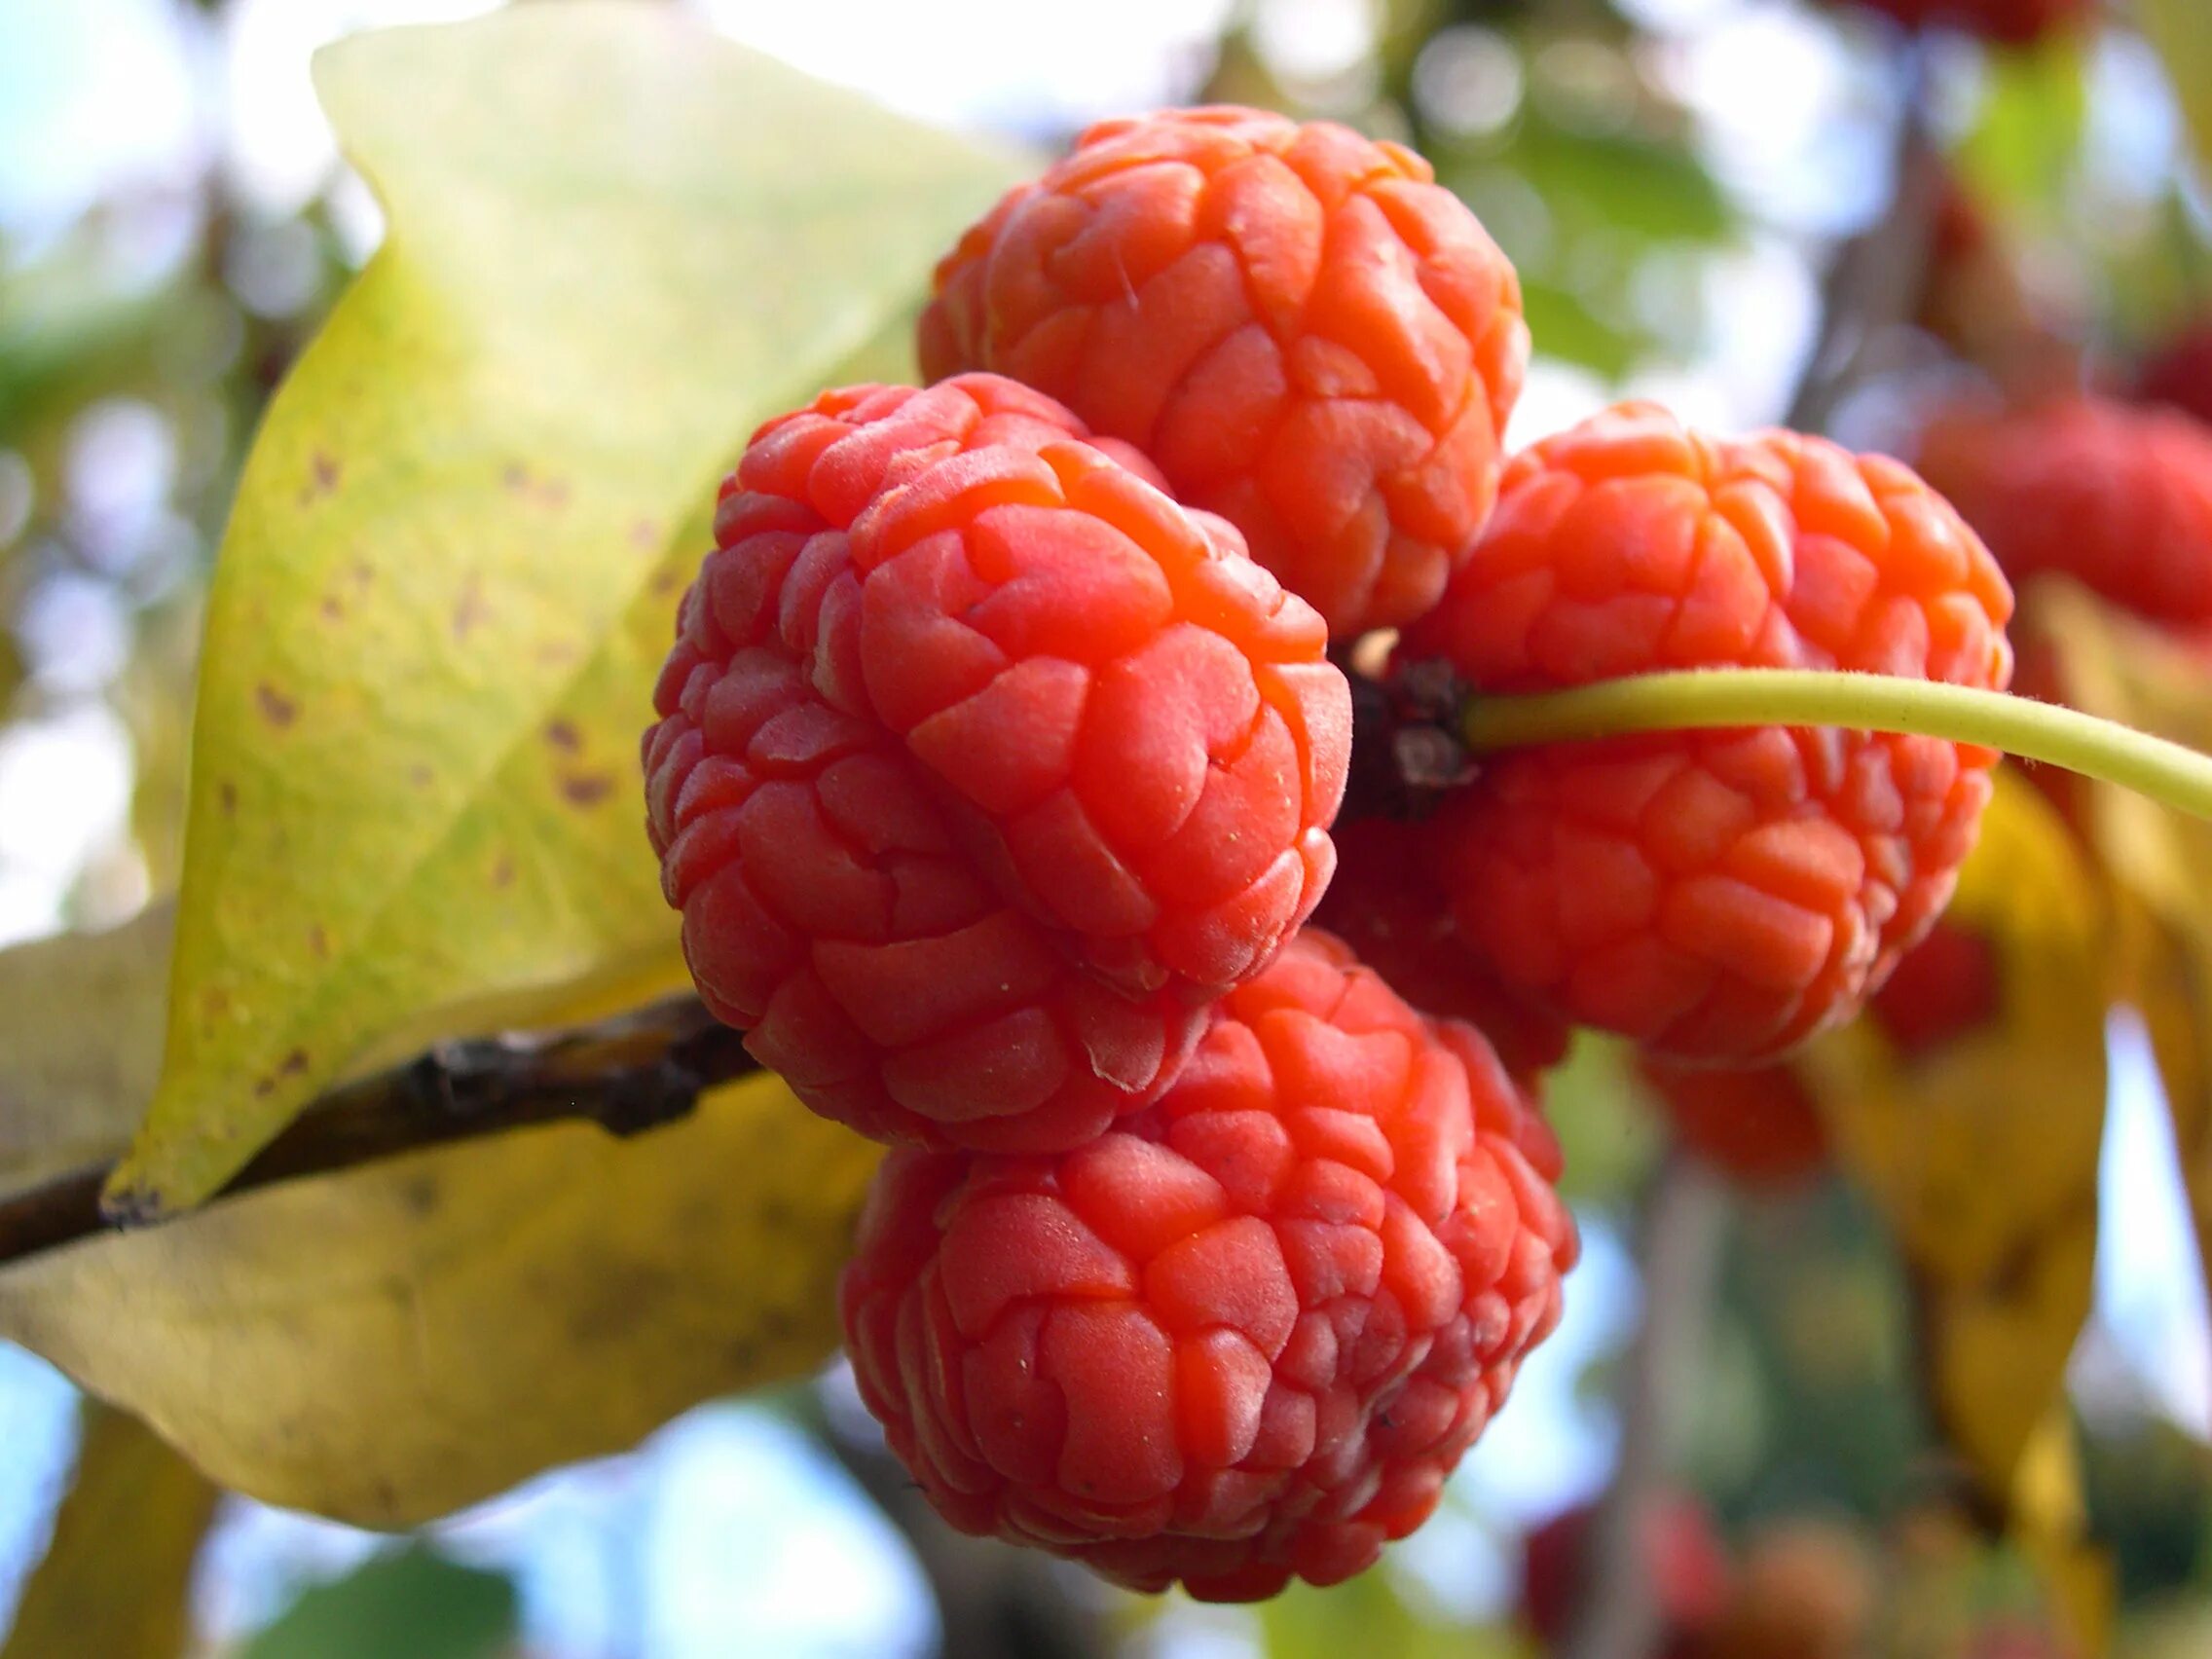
(1684, 1222)
(626, 1074)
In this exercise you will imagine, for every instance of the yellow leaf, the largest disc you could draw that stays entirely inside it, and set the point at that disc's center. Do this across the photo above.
(391, 1343)
(83, 1024)
(615, 244)
(117, 1578)
(2113, 664)
(1981, 1155)
(387, 1346)
(2050, 1524)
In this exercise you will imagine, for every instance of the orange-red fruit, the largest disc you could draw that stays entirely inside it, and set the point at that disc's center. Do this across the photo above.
(981, 766)
(1806, 1589)
(2180, 373)
(2014, 22)
(1716, 896)
(1683, 1560)
(1759, 1126)
(1308, 335)
(2115, 495)
(1243, 1336)
(1947, 985)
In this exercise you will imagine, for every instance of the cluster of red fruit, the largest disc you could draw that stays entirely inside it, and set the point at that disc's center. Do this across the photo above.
(995, 777)
(1800, 1587)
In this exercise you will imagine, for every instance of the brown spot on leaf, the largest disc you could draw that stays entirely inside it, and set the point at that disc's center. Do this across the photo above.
(503, 871)
(666, 580)
(587, 788)
(322, 477)
(293, 1063)
(227, 797)
(419, 1195)
(418, 775)
(564, 736)
(214, 1003)
(276, 707)
(539, 491)
(318, 942)
(471, 610)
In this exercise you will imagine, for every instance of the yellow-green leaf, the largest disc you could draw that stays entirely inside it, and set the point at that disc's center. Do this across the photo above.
(1981, 1154)
(2050, 1523)
(2161, 861)
(2176, 28)
(117, 1578)
(83, 1024)
(390, 1344)
(616, 243)
(387, 1346)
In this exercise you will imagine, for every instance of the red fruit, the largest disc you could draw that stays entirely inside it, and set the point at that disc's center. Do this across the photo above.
(1758, 1127)
(1806, 1589)
(2116, 497)
(1683, 1558)
(1383, 904)
(1243, 1336)
(957, 703)
(1946, 985)
(2179, 374)
(1310, 336)
(1718, 896)
(2012, 23)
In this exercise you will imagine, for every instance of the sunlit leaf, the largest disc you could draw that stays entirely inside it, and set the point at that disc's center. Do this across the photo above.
(1981, 1153)
(2027, 132)
(616, 243)
(117, 1577)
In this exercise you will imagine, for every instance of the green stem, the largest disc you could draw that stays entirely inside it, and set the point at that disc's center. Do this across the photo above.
(1705, 699)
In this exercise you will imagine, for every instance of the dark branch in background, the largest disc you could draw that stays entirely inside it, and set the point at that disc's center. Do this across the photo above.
(1872, 288)
(1685, 1219)
(1874, 283)
(626, 1074)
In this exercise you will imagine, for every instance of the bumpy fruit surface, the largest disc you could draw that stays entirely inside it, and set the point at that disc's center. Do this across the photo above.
(2015, 22)
(1716, 896)
(1243, 1336)
(981, 765)
(1758, 1127)
(1308, 336)
(2118, 497)
(1384, 902)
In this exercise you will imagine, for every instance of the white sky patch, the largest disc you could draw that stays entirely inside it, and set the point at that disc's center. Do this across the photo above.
(1020, 65)
(96, 95)
(2150, 1299)
(64, 795)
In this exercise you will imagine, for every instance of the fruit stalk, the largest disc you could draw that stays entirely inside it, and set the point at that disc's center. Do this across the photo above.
(1706, 699)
